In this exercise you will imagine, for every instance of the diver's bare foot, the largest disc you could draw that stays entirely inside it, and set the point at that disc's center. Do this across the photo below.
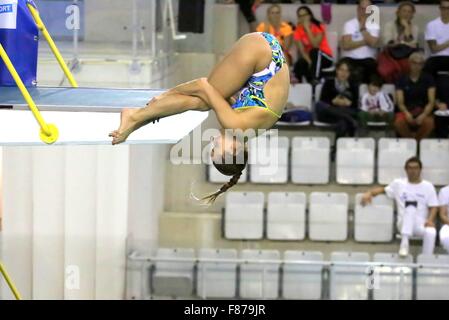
(127, 126)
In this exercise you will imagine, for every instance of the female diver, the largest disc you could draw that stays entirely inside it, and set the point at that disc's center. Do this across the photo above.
(256, 68)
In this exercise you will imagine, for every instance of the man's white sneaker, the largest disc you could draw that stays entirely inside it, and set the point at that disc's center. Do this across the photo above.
(403, 251)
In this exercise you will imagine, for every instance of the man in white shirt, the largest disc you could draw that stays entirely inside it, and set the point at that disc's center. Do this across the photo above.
(437, 37)
(417, 205)
(359, 43)
(443, 198)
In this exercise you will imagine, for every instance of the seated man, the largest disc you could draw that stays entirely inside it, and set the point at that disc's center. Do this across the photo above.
(415, 96)
(417, 206)
(359, 42)
(437, 37)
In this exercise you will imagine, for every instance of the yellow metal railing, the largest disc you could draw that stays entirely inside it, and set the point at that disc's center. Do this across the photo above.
(54, 49)
(48, 132)
(11, 285)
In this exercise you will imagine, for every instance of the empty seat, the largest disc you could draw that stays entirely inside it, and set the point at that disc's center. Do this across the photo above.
(286, 216)
(349, 282)
(434, 154)
(173, 278)
(310, 160)
(243, 218)
(393, 282)
(216, 176)
(432, 283)
(217, 279)
(259, 280)
(301, 281)
(300, 97)
(373, 222)
(392, 155)
(355, 160)
(328, 216)
(268, 159)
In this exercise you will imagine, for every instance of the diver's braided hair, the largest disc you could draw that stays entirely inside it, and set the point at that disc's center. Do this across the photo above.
(212, 197)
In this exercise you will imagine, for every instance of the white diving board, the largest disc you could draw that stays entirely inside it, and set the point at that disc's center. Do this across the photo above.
(86, 116)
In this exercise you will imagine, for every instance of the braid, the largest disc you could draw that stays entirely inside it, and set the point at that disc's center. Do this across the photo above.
(211, 198)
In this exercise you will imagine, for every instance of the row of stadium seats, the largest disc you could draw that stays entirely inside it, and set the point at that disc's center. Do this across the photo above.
(306, 160)
(256, 274)
(286, 217)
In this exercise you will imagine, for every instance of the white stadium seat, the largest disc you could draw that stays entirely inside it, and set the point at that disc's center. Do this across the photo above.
(355, 160)
(392, 155)
(434, 154)
(268, 159)
(243, 218)
(299, 97)
(286, 216)
(349, 282)
(301, 281)
(310, 160)
(373, 222)
(432, 283)
(393, 282)
(328, 216)
(172, 278)
(259, 280)
(217, 279)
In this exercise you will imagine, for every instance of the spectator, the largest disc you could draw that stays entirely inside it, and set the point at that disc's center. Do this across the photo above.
(401, 39)
(415, 96)
(278, 28)
(359, 43)
(315, 52)
(375, 105)
(417, 206)
(437, 37)
(443, 198)
(442, 110)
(338, 102)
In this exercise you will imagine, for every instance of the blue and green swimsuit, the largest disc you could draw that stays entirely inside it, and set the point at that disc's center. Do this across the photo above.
(252, 94)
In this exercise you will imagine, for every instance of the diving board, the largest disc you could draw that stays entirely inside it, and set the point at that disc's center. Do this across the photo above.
(86, 116)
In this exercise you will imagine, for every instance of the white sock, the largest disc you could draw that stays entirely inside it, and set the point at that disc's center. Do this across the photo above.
(444, 237)
(445, 243)
(404, 241)
(430, 234)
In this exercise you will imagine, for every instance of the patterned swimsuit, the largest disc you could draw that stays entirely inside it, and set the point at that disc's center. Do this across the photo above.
(252, 94)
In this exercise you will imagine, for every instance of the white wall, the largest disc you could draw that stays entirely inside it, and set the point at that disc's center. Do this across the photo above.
(69, 209)
(146, 202)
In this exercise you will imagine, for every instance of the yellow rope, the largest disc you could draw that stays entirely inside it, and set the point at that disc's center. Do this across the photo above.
(9, 282)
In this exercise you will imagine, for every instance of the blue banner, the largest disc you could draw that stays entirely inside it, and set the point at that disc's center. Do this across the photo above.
(19, 38)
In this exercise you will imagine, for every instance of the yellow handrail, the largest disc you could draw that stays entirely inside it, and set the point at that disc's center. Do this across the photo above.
(9, 282)
(48, 133)
(58, 56)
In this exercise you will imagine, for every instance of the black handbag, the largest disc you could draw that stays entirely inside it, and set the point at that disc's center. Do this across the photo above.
(401, 51)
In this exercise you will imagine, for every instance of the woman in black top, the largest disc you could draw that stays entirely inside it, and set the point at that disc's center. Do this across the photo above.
(338, 103)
